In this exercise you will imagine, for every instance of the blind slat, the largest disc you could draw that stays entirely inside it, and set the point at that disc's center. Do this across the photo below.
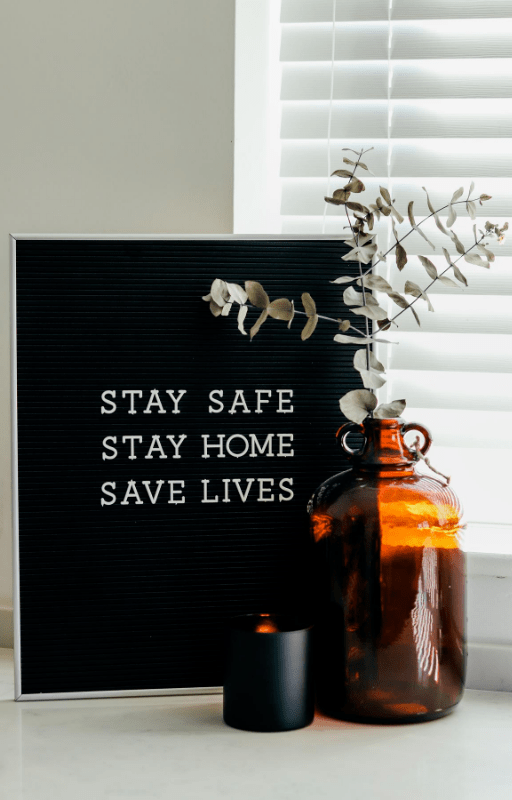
(352, 81)
(471, 391)
(350, 10)
(442, 118)
(461, 428)
(423, 158)
(321, 10)
(306, 196)
(368, 41)
(459, 314)
(410, 40)
(423, 79)
(471, 352)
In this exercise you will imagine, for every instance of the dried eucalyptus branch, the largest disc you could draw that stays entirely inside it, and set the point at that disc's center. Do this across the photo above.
(356, 405)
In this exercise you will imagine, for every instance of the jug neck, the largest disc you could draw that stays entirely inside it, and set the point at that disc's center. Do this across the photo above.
(384, 448)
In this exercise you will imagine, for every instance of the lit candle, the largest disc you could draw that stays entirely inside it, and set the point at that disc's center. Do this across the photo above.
(268, 682)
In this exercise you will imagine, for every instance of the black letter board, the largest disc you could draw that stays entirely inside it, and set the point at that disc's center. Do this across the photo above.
(132, 548)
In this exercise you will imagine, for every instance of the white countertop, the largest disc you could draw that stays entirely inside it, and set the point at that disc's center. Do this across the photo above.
(179, 748)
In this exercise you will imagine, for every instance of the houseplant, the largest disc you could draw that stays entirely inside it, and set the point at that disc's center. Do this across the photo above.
(390, 577)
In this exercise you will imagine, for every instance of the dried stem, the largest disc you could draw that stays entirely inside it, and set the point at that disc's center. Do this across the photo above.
(356, 237)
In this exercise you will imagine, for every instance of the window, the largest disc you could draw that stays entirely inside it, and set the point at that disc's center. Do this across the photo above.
(429, 86)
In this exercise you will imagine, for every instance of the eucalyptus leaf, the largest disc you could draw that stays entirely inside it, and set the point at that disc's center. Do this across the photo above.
(471, 209)
(375, 282)
(429, 204)
(281, 309)
(471, 188)
(341, 338)
(342, 173)
(429, 267)
(447, 281)
(452, 216)
(343, 279)
(371, 380)
(344, 325)
(421, 233)
(390, 410)
(487, 253)
(226, 308)
(398, 299)
(401, 257)
(413, 288)
(410, 214)
(215, 309)
(236, 293)
(385, 194)
(341, 194)
(219, 292)
(440, 225)
(356, 405)
(363, 253)
(257, 295)
(351, 297)
(396, 214)
(334, 201)
(361, 361)
(472, 258)
(357, 207)
(363, 238)
(458, 274)
(309, 327)
(370, 299)
(259, 322)
(356, 163)
(447, 256)
(416, 317)
(456, 271)
(242, 313)
(371, 312)
(355, 185)
(309, 304)
(457, 195)
(458, 244)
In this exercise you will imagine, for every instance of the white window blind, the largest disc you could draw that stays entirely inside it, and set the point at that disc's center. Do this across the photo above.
(429, 86)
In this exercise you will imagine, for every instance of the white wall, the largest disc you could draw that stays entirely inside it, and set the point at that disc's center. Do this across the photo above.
(117, 117)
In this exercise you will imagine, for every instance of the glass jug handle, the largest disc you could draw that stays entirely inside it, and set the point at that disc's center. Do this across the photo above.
(415, 426)
(343, 432)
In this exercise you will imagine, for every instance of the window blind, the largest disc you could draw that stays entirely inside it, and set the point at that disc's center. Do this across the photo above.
(429, 86)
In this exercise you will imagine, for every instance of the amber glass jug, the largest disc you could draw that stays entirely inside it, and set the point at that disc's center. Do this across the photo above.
(389, 583)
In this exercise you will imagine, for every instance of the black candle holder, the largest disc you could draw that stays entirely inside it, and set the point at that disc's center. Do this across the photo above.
(268, 682)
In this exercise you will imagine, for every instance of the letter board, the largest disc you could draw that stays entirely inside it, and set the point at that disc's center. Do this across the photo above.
(162, 460)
